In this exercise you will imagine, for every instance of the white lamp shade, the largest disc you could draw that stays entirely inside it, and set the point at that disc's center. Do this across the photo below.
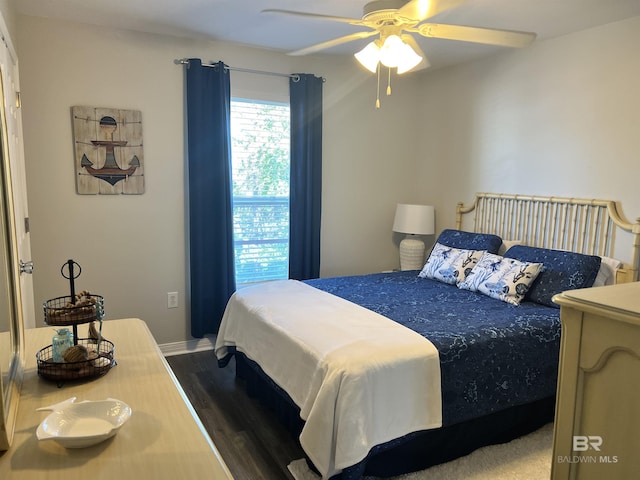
(395, 53)
(414, 219)
(369, 57)
(409, 60)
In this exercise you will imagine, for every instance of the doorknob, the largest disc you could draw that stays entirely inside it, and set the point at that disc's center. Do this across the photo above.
(26, 267)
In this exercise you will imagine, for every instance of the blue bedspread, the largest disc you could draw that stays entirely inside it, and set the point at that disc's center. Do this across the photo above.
(493, 355)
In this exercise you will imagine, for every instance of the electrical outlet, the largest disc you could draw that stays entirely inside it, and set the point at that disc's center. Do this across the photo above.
(172, 299)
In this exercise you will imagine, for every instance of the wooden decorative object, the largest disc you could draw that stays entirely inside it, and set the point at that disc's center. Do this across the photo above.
(108, 151)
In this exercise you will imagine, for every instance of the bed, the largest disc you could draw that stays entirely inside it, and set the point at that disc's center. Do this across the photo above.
(389, 373)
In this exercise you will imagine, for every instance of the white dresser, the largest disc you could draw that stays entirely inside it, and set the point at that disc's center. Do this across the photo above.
(597, 426)
(163, 439)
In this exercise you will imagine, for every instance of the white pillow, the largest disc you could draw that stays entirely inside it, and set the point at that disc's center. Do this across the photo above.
(449, 265)
(607, 273)
(501, 278)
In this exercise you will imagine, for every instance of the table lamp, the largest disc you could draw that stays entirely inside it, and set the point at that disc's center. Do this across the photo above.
(413, 220)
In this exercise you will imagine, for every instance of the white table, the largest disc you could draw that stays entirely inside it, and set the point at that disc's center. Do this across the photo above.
(163, 439)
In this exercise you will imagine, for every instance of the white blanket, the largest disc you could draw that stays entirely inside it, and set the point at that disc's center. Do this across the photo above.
(359, 378)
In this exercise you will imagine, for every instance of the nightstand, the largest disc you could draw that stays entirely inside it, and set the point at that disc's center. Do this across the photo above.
(598, 400)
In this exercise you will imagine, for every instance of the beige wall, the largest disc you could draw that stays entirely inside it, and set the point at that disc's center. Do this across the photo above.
(132, 248)
(8, 15)
(559, 118)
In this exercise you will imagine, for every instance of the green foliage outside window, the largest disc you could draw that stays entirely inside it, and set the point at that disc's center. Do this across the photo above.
(260, 150)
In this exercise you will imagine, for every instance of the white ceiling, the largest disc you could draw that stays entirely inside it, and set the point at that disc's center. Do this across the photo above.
(240, 21)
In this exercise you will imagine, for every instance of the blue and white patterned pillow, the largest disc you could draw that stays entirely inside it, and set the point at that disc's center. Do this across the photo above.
(450, 265)
(502, 278)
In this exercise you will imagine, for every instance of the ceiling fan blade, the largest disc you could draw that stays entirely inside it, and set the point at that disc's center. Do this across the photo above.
(333, 43)
(409, 40)
(490, 36)
(420, 10)
(331, 18)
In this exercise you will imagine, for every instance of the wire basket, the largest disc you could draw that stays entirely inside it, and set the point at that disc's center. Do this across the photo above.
(84, 369)
(65, 311)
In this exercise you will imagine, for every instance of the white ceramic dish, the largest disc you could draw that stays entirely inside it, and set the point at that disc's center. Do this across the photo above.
(82, 424)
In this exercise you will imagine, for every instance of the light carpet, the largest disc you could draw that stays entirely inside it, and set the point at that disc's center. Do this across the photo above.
(525, 458)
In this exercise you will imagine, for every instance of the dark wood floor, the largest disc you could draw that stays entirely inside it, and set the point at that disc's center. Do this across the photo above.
(253, 444)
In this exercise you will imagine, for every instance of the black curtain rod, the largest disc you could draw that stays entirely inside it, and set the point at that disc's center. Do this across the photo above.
(184, 61)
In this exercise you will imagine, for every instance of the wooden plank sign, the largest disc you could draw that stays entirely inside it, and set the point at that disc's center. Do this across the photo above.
(108, 151)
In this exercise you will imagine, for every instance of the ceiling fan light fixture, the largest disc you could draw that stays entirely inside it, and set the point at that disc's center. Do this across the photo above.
(393, 21)
(369, 57)
(394, 53)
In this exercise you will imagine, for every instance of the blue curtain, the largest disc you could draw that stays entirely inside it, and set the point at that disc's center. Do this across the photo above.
(305, 197)
(212, 273)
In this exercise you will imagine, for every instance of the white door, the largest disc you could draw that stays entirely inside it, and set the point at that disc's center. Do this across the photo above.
(11, 87)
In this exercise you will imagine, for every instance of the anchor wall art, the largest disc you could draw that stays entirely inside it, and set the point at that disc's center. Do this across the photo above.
(108, 151)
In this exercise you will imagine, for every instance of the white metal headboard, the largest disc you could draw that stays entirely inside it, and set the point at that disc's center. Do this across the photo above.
(584, 226)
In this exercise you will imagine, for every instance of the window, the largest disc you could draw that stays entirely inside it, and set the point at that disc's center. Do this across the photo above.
(260, 173)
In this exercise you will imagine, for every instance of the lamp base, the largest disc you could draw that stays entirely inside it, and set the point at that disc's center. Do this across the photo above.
(411, 253)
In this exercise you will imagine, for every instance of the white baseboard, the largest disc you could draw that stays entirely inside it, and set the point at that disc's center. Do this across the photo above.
(187, 346)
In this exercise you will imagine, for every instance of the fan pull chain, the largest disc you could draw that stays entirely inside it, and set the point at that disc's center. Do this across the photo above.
(389, 83)
(378, 88)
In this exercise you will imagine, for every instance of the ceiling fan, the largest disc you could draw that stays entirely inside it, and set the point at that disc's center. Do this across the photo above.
(394, 20)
